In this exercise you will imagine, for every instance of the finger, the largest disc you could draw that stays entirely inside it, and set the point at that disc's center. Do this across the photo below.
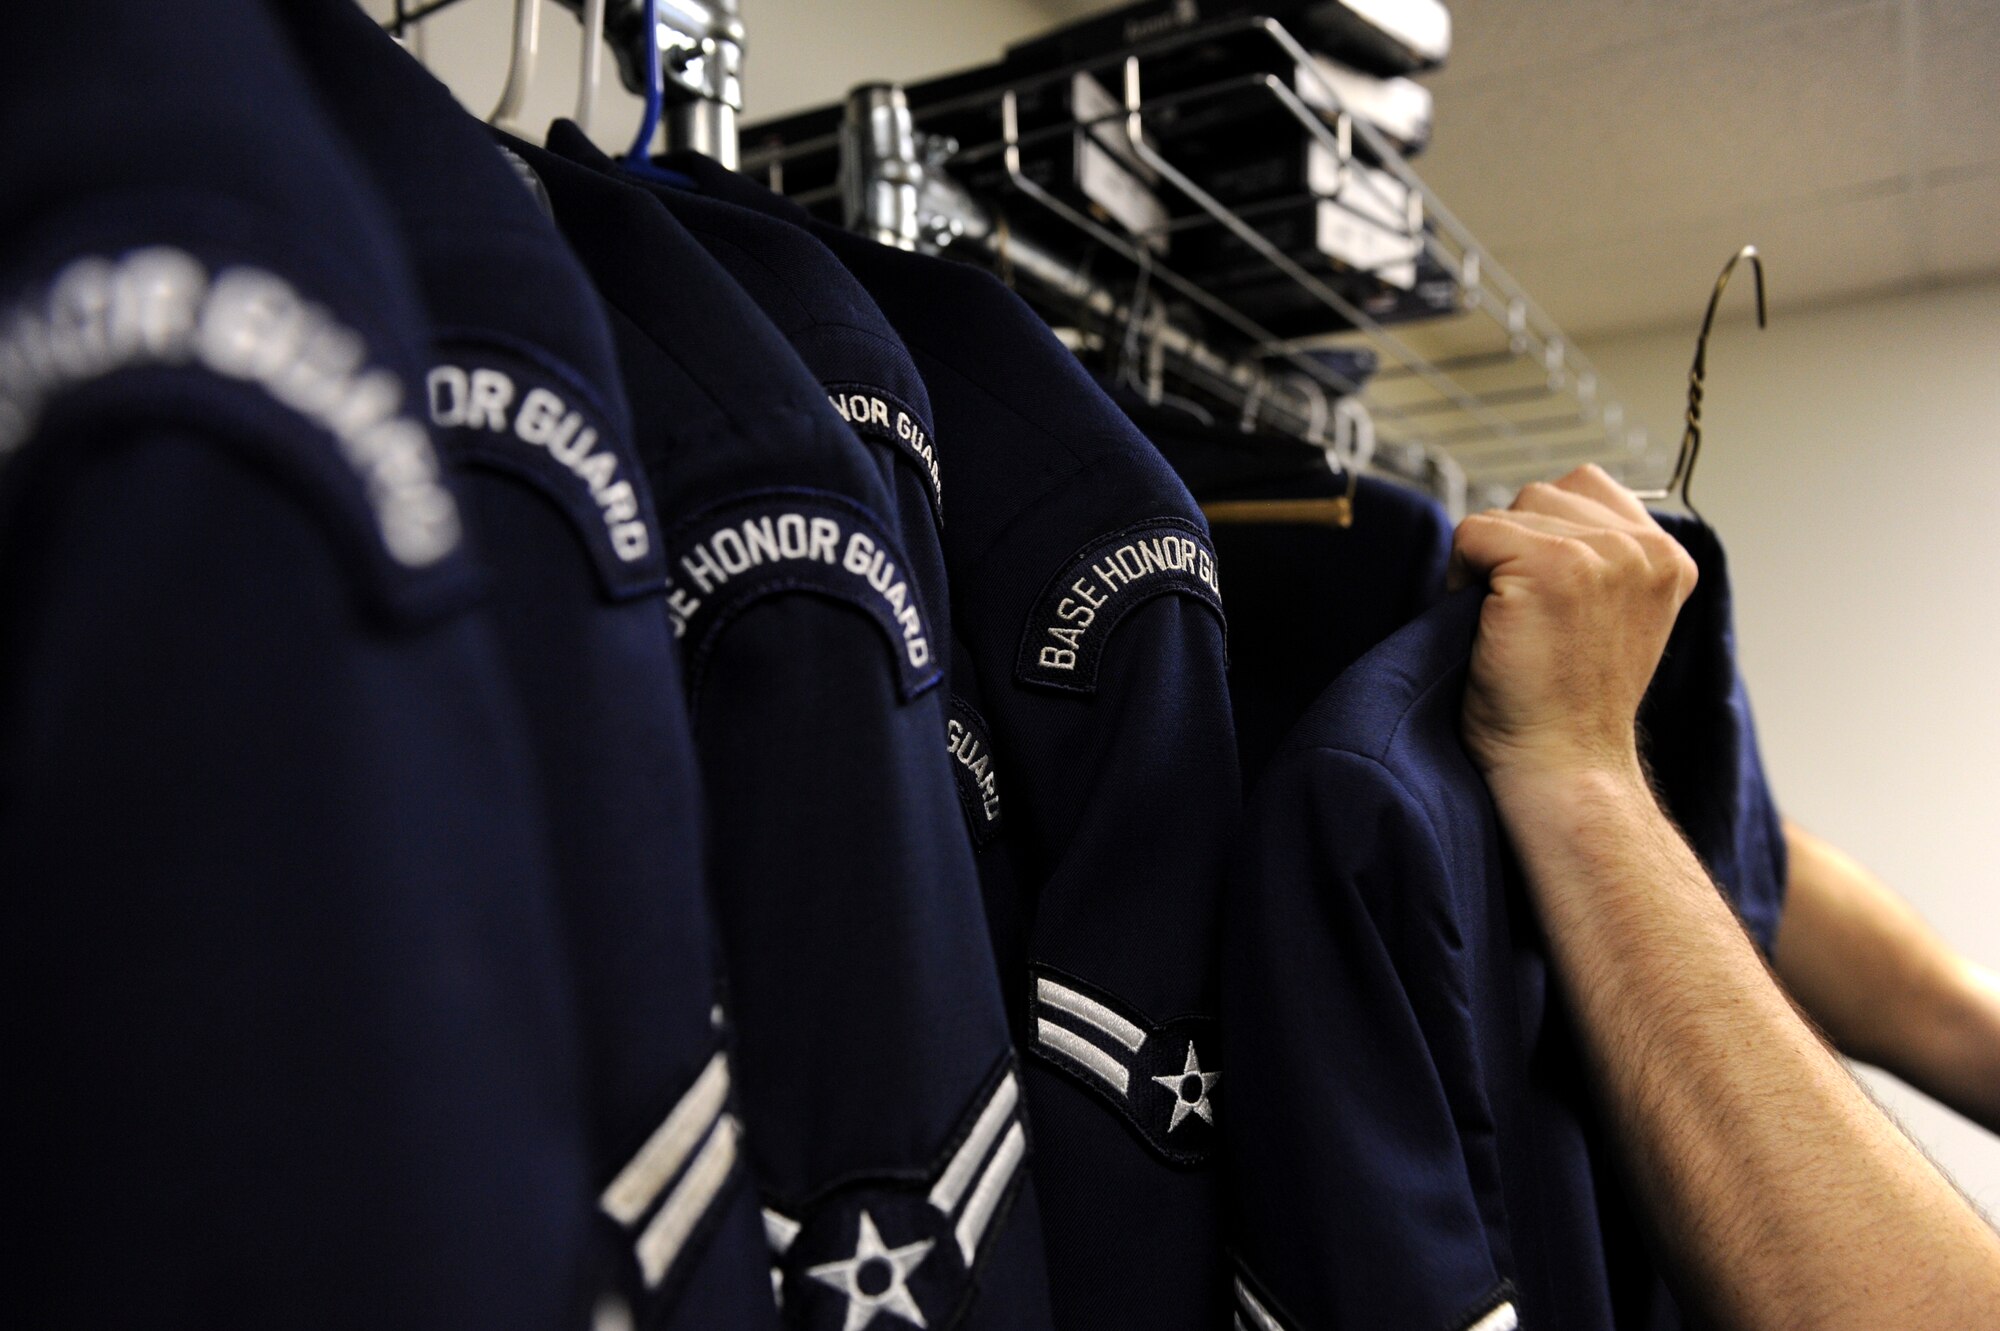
(1546, 497)
(1486, 543)
(1618, 546)
(1595, 483)
(1542, 545)
(1552, 524)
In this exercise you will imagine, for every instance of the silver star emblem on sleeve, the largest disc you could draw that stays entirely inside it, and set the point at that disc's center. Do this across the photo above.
(1190, 1087)
(876, 1278)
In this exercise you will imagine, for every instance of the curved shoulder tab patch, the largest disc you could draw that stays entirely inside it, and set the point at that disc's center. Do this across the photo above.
(908, 1245)
(742, 550)
(971, 749)
(1165, 1079)
(499, 407)
(169, 317)
(1082, 604)
(876, 414)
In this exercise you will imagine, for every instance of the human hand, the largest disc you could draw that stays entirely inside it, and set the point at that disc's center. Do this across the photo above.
(1583, 590)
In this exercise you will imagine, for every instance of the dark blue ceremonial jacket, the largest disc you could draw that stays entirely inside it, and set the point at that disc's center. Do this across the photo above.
(1385, 974)
(529, 407)
(885, 1115)
(294, 1028)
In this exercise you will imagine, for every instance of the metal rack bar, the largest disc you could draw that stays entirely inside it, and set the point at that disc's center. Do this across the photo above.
(405, 17)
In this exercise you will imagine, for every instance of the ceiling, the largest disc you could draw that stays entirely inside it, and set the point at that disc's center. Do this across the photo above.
(1611, 153)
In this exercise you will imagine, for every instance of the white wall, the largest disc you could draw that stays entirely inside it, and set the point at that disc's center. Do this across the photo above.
(1851, 463)
(799, 53)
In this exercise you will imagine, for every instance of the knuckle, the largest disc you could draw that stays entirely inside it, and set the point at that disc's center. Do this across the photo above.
(1471, 528)
(1630, 549)
(1574, 569)
(1689, 572)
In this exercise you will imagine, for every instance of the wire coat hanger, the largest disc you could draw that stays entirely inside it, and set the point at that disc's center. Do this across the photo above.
(590, 70)
(520, 66)
(1681, 483)
(1352, 447)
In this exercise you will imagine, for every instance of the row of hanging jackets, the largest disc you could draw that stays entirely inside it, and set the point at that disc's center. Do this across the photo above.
(576, 744)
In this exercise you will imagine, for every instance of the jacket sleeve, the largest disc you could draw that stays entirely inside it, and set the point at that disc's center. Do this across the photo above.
(1356, 1148)
(294, 1040)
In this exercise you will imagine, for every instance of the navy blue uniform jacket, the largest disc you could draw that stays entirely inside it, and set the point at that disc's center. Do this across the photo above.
(525, 394)
(1086, 592)
(1386, 976)
(294, 1037)
(884, 1110)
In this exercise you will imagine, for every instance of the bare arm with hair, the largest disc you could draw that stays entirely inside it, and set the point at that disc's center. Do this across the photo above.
(1883, 986)
(1785, 1197)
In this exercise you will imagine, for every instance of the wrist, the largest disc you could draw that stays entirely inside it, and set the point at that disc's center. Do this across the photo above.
(1566, 791)
(1582, 823)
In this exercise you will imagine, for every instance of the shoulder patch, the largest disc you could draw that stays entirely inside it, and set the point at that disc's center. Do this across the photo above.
(502, 407)
(136, 330)
(1073, 618)
(971, 748)
(1165, 1079)
(736, 553)
(905, 1245)
(875, 414)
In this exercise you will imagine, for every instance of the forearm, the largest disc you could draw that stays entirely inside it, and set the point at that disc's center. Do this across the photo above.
(1785, 1196)
(1883, 986)
(1951, 1045)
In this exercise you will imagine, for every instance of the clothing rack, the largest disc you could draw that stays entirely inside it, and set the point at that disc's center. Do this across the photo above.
(1467, 409)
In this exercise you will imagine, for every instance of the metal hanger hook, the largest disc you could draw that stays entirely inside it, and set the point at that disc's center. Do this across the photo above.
(1682, 483)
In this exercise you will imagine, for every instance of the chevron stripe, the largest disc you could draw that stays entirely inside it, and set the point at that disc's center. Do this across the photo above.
(667, 1233)
(1086, 1009)
(1068, 1043)
(639, 1183)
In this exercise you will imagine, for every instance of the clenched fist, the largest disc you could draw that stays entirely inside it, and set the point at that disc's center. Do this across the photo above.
(1584, 588)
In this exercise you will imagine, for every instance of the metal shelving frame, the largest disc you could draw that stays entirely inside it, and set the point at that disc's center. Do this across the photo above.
(1515, 400)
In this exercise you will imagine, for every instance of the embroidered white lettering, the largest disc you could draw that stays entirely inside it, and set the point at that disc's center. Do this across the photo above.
(480, 399)
(825, 536)
(733, 549)
(863, 409)
(158, 306)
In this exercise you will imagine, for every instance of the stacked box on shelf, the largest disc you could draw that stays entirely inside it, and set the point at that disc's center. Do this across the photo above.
(1382, 37)
(1240, 142)
(1288, 310)
(1360, 221)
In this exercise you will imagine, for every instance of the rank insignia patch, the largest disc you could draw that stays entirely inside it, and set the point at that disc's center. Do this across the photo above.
(889, 1254)
(1163, 1078)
